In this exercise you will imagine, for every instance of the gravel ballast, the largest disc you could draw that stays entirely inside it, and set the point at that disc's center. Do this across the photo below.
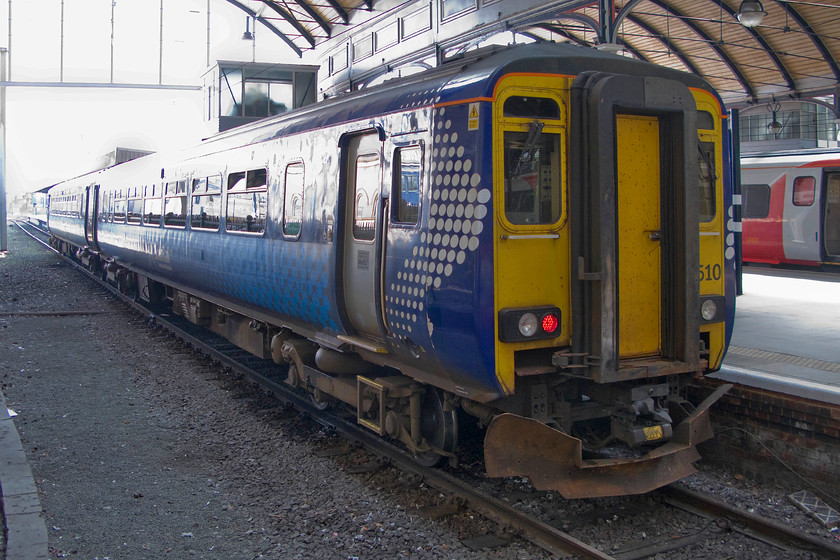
(141, 448)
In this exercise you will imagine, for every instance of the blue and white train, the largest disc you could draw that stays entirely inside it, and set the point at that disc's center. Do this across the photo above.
(539, 237)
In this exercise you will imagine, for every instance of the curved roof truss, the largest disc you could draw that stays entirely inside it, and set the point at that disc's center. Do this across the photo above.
(794, 53)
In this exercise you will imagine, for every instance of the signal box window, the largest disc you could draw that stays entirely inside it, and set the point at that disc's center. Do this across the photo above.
(151, 210)
(406, 204)
(206, 203)
(293, 200)
(175, 205)
(532, 176)
(803, 191)
(756, 201)
(367, 196)
(247, 201)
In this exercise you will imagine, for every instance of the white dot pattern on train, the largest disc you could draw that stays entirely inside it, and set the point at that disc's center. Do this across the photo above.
(456, 220)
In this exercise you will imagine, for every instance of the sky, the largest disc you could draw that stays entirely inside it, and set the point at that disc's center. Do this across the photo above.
(54, 133)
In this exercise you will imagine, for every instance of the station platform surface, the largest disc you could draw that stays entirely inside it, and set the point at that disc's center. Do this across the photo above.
(787, 334)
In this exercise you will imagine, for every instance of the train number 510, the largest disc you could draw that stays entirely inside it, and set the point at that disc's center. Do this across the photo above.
(710, 272)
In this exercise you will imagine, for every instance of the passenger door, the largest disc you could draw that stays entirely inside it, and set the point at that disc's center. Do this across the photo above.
(91, 215)
(831, 216)
(362, 227)
(800, 227)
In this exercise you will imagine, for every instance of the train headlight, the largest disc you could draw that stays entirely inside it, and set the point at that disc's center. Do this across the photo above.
(708, 310)
(529, 323)
(712, 308)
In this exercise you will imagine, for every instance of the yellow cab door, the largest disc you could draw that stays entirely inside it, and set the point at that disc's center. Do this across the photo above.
(639, 235)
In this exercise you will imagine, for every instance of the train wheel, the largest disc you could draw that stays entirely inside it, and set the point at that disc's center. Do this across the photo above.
(319, 399)
(438, 427)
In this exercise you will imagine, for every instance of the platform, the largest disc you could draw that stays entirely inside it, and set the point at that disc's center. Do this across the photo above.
(787, 334)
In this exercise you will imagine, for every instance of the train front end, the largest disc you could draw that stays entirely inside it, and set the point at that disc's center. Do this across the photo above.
(610, 195)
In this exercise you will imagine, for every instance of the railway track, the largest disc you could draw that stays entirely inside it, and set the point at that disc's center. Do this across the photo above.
(545, 535)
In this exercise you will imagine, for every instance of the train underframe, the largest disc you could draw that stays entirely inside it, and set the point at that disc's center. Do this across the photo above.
(559, 429)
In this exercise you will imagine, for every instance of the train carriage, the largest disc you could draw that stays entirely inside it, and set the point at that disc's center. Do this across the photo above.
(515, 236)
(791, 208)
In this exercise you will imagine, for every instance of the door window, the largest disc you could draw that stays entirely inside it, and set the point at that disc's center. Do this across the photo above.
(293, 200)
(803, 191)
(367, 196)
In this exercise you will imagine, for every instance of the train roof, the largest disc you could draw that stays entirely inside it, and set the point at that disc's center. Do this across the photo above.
(472, 75)
(813, 157)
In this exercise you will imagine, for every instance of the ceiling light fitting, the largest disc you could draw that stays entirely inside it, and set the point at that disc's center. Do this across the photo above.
(751, 13)
(248, 36)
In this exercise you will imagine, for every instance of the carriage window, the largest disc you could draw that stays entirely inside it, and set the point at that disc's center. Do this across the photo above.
(293, 200)
(206, 203)
(708, 179)
(367, 196)
(531, 107)
(756, 201)
(247, 201)
(134, 208)
(406, 203)
(803, 191)
(119, 206)
(532, 176)
(151, 210)
(175, 206)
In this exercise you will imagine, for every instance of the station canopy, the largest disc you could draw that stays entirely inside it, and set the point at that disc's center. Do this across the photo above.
(751, 52)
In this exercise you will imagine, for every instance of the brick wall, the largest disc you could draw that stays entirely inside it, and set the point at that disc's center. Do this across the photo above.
(754, 425)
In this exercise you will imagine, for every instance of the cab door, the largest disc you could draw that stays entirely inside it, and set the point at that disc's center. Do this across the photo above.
(635, 227)
(362, 226)
(638, 190)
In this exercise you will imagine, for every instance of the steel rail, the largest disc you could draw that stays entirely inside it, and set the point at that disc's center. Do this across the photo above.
(541, 534)
(537, 532)
(757, 527)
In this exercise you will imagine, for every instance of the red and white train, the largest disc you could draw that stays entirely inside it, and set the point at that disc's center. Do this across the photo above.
(791, 208)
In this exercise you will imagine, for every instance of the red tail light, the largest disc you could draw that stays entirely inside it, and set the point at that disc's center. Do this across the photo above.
(550, 323)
